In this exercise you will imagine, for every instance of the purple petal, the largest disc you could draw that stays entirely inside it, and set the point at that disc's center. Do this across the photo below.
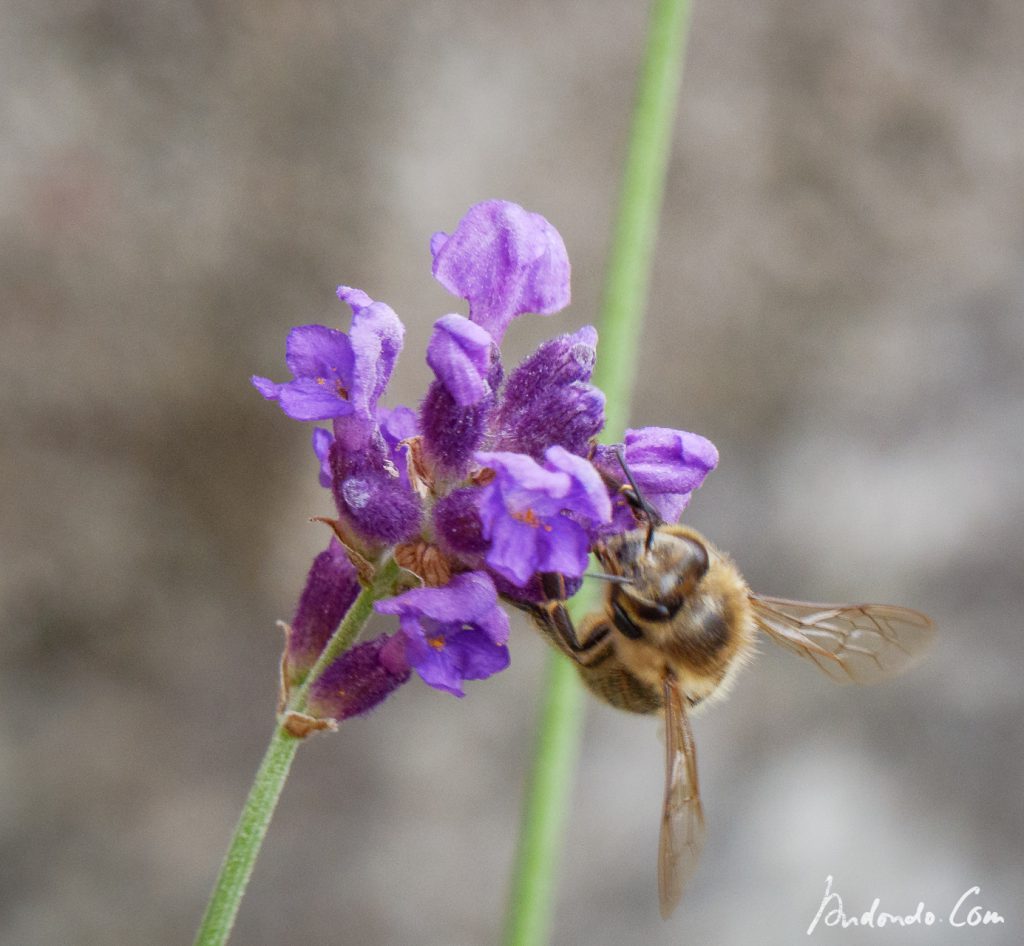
(271, 390)
(397, 424)
(668, 465)
(515, 552)
(564, 549)
(376, 340)
(435, 664)
(321, 361)
(322, 440)
(468, 596)
(313, 399)
(460, 354)
(504, 261)
(315, 351)
(529, 513)
(588, 495)
(478, 656)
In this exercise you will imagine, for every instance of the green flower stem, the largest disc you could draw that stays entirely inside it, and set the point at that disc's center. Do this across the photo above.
(625, 293)
(270, 778)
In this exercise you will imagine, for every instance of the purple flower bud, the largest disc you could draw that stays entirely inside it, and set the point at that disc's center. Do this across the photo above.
(504, 261)
(454, 633)
(458, 525)
(547, 400)
(359, 679)
(536, 517)
(331, 587)
(668, 465)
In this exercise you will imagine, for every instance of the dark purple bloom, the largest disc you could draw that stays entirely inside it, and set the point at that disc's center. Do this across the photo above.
(451, 432)
(536, 516)
(460, 354)
(668, 465)
(454, 633)
(504, 261)
(372, 495)
(547, 399)
(359, 679)
(331, 587)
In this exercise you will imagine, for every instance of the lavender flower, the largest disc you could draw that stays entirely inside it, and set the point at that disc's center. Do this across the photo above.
(454, 633)
(492, 485)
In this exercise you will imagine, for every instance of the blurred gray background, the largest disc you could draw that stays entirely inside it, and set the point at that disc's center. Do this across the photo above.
(837, 303)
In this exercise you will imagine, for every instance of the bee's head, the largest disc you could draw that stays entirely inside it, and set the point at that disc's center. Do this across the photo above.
(661, 571)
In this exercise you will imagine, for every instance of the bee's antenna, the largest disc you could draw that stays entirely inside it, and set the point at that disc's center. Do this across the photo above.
(653, 519)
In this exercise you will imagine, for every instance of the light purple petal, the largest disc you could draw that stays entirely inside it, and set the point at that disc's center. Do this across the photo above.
(464, 599)
(524, 481)
(397, 424)
(322, 440)
(589, 495)
(515, 549)
(376, 339)
(504, 261)
(312, 399)
(494, 623)
(271, 390)
(669, 461)
(460, 354)
(564, 549)
(315, 351)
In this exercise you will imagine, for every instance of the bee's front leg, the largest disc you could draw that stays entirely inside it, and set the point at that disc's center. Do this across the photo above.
(553, 618)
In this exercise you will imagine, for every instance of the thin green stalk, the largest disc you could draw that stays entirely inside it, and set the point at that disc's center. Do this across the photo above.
(625, 293)
(244, 848)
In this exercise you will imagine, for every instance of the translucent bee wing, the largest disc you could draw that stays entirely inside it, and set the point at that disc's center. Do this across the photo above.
(682, 819)
(852, 643)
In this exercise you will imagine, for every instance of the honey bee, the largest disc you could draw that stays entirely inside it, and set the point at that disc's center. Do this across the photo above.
(677, 622)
